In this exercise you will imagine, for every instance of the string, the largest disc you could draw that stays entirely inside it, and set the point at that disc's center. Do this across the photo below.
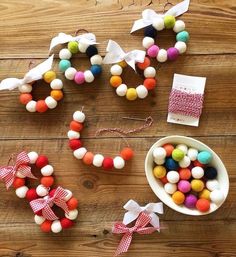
(80, 30)
(166, 4)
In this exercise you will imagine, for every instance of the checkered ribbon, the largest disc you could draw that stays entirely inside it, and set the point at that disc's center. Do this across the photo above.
(139, 227)
(21, 166)
(46, 203)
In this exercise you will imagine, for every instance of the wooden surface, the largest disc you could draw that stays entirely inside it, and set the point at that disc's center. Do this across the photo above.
(26, 28)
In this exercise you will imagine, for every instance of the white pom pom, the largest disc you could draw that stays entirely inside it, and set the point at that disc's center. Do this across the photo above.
(162, 55)
(88, 76)
(149, 72)
(159, 161)
(79, 116)
(83, 47)
(212, 185)
(197, 172)
(80, 153)
(181, 47)
(192, 154)
(19, 175)
(26, 88)
(56, 226)
(50, 102)
(179, 26)
(142, 91)
(31, 106)
(119, 162)
(121, 90)
(39, 219)
(33, 156)
(56, 84)
(159, 153)
(47, 170)
(170, 188)
(41, 190)
(65, 54)
(172, 176)
(147, 42)
(96, 59)
(217, 196)
(69, 195)
(72, 215)
(70, 73)
(73, 134)
(21, 191)
(98, 160)
(158, 24)
(182, 147)
(116, 70)
(185, 162)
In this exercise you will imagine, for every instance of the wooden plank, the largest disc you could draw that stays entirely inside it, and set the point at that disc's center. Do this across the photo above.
(38, 22)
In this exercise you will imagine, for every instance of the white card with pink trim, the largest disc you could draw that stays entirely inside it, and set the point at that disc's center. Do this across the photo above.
(188, 85)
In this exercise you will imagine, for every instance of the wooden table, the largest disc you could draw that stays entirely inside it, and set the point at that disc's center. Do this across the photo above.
(26, 28)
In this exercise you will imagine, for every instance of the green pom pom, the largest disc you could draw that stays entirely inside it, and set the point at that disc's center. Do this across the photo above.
(169, 21)
(73, 47)
(182, 36)
(64, 65)
(177, 155)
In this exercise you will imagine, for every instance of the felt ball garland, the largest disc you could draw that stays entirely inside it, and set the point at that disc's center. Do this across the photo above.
(88, 158)
(172, 53)
(42, 105)
(78, 76)
(140, 91)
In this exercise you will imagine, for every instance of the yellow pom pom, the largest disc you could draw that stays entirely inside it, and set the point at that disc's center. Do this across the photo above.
(49, 76)
(159, 171)
(205, 194)
(131, 94)
(122, 64)
(197, 185)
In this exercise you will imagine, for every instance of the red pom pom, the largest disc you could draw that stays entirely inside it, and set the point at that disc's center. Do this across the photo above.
(75, 144)
(18, 182)
(164, 180)
(31, 194)
(39, 213)
(46, 226)
(127, 153)
(197, 163)
(72, 203)
(66, 223)
(52, 192)
(41, 161)
(107, 163)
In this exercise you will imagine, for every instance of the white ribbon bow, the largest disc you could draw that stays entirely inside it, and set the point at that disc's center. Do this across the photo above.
(32, 75)
(149, 15)
(62, 38)
(116, 54)
(133, 211)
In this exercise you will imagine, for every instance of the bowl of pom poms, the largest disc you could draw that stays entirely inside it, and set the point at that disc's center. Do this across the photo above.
(187, 175)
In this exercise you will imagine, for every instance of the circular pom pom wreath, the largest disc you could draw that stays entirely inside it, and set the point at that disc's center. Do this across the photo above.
(42, 105)
(57, 224)
(172, 53)
(133, 93)
(88, 158)
(78, 76)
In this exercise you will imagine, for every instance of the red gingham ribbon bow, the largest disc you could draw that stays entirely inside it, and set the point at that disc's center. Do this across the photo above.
(139, 227)
(45, 204)
(21, 165)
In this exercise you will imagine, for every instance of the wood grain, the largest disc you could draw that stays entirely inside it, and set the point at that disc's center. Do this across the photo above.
(26, 28)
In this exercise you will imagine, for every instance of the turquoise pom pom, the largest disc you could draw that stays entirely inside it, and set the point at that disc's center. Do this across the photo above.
(64, 65)
(204, 157)
(182, 36)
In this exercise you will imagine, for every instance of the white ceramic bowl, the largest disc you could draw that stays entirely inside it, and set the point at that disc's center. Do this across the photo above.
(157, 185)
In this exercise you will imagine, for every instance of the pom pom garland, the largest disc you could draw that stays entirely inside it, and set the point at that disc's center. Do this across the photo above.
(49, 102)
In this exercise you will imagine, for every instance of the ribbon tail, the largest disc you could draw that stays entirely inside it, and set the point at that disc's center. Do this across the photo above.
(130, 216)
(179, 8)
(61, 38)
(10, 83)
(139, 24)
(124, 244)
(48, 213)
(155, 221)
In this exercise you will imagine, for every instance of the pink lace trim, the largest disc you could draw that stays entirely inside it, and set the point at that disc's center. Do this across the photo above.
(186, 104)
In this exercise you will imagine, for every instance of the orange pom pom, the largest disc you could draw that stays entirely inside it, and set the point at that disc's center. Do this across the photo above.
(145, 64)
(18, 182)
(72, 203)
(127, 153)
(47, 181)
(203, 205)
(46, 226)
(57, 94)
(178, 197)
(76, 126)
(169, 149)
(185, 173)
(115, 81)
(25, 98)
(149, 83)
(88, 158)
(41, 106)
